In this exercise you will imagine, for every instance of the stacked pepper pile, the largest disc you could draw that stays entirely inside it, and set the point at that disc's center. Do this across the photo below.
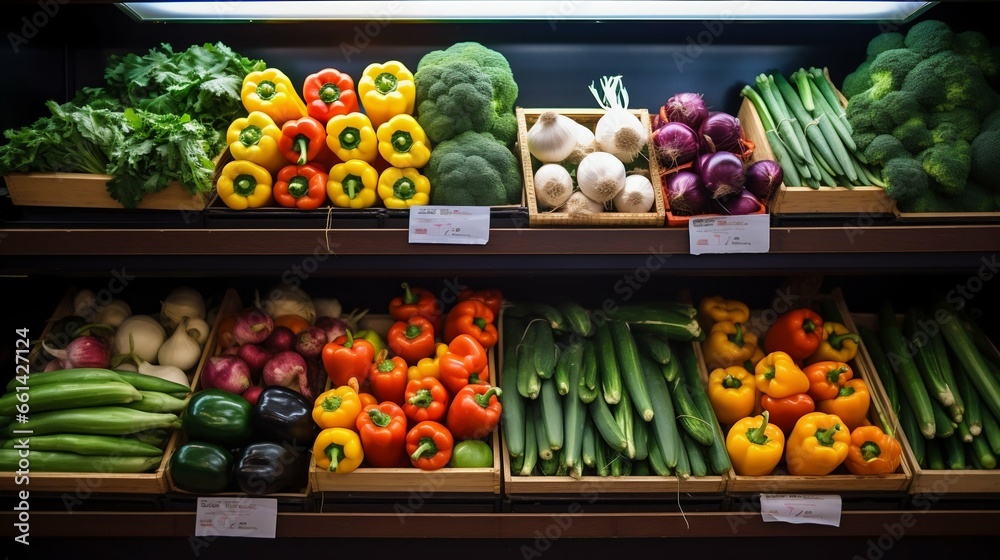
(302, 151)
(427, 403)
(792, 397)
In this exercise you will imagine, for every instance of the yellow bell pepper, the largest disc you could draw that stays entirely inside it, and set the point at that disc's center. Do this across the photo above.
(817, 445)
(732, 392)
(428, 367)
(851, 403)
(402, 142)
(839, 344)
(338, 450)
(728, 344)
(269, 90)
(244, 184)
(754, 446)
(353, 184)
(778, 376)
(352, 136)
(255, 138)
(712, 309)
(337, 408)
(387, 90)
(402, 188)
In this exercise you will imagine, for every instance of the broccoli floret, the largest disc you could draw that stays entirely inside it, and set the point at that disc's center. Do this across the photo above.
(974, 198)
(986, 159)
(948, 164)
(883, 42)
(990, 122)
(914, 135)
(884, 148)
(926, 202)
(947, 81)
(975, 46)
(958, 124)
(473, 169)
(454, 98)
(901, 106)
(929, 37)
(905, 179)
(890, 68)
(865, 118)
(857, 81)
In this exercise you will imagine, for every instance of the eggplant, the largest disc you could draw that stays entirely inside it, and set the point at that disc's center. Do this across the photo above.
(284, 415)
(267, 467)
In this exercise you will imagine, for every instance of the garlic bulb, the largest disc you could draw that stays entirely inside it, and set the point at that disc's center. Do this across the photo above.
(552, 137)
(553, 185)
(600, 176)
(199, 329)
(181, 302)
(179, 349)
(580, 205)
(618, 131)
(113, 313)
(637, 196)
(586, 143)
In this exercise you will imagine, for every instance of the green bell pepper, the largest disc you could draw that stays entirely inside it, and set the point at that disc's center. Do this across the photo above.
(371, 336)
(472, 453)
(198, 466)
(218, 416)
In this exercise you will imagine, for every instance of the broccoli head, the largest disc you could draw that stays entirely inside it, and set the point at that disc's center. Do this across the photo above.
(857, 81)
(901, 106)
(914, 135)
(948, 164)
(473, 169)
(884, 148)
(905, 179)
(454, 98)
(926, 202)
(975, 46)
(889, 68)
(929, 37)
(883, 42)
(956, 124)
(990, 122)
(866, 119)
(947, 81)
(986, 159)
(975, 198)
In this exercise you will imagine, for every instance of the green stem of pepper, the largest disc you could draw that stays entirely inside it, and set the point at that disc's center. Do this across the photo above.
(737, 337)
(251, 135)
(335, 452)
(379, 418)
(732, 382)
(870, 450)
(413, 331)
(421, 398)
(402, 141)
(329, 93)
(425, 449)
(298, 186)
(302, 148)
(350, 138)
(266, 90)
(758, 435)
(837, 341)
(404, 189)
(825, 436)
(483, 400)
(244, 184)
(386, 83)
(352, 186)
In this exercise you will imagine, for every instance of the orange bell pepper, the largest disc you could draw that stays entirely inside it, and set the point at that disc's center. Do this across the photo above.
(797, 333)
(754, 446)
(492, 297)
(778, 376)
(426, 399)
(417, 301)
(474, 412)
(465, 362)
(474, 318)
(387, 378)
(826, 378)
(873, 452)
(300, 186)
(851, 403)
(412, 339)
(345, 357)
(429, 445)
(817, 445)
(383, 428)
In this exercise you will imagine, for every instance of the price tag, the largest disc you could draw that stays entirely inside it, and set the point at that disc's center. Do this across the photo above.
(459, 225)
(801, 508)
(730, 234)
(236, 517)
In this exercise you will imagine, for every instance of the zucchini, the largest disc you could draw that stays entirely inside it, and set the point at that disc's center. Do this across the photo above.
(155, 436)
(969, 357)
(101, 420)
(154, 401)
(928, 363)
(695, 455)
(671, 370)
(947, 365)
(664, 427)
(528, 382)
(954, 453)
(590, 366)
(943, 425)
(574, 414)
(607, 427)
(935, 458)
(62, 461)
(59, 396)
(512, 416)
(683, 468)
(718, 456)
(516, 464)
(640, 434)
(546, 311)
(603, 457)
(991, 430)
(882, 367)
(625, 417)
(550, 408)
(577, 318)
(89, 444)
(962, 432)
(657, 462)
(588, 451)
(607, 365)
(688, 415)
(981, 453)
(545, 349)
(545, 452)
(908, 423)
(570, 358)
(530, 442)
(655, 311)
(686, 331)
(627, 354)
(654, 346)
(906, 371)
(549, 466)
(973, 405)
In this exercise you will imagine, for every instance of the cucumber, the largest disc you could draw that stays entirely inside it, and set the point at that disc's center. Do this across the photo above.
(588, 450)
(910, 381)
(928, 363)
(550, 407)
(545, 452)
(603, 457)
(627, 354)
(982, 455)
(607, 427)
(545, 349)
(577, 318)
(943, 425)
(969, 357)
(590, 365)
(880, 361)
(70, 394)
(688, 415)
(530, 442)
(683, 468)
(625, 418)
(574, 415)
(718, 456)
(908, 423)
(528, 382)
(664, 428)
(607, 365)
(657, 463)
(954, 453)
(144, 382)
(695, 454)
(512, 416)
(654, 346)
(63, 376)
(640, 434)
(100, 420)
(973, 405)
(935, 459)
(62, 461)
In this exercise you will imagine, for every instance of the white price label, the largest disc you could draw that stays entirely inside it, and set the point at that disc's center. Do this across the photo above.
(801, 508)
(730, 234)
(236, 517)
(459, 225)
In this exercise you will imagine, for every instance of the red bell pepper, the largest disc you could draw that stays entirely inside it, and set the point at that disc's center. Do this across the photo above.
(474, 318)
(387, 378)
(412, 339)
(786, 411)
(300, 186)
(416, 301)
(797, 333)
(329, 92)
(426, 399)
(383, 428)
(474, 412)
(465, 362)
(302, 140)
(429, 445)
(345, 357)
(493, 298)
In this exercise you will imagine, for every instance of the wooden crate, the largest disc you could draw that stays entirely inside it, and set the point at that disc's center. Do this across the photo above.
(933, 482)
(587, 117)
(86, 190)
(839, 481)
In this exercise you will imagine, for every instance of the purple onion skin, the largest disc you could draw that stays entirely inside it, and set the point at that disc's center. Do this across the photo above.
(310, 342)
(226, 372)
(721, 132)
(723, 174)
(255, 356)
(252, 326)
(83, 352)
(699, 161)
(675, 144)
(739, 204)
(687, 108)
(287, 369)
(281, 339)
(763, 178)
(686, 194)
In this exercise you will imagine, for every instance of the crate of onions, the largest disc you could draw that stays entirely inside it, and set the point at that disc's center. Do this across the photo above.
(706, 162)
(590, 167)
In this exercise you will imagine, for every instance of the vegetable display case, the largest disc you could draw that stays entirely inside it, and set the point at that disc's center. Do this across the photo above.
(873, 262)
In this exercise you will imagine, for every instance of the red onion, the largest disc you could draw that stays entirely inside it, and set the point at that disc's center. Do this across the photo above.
(686, 194)
(333, 326)
(81, 352)
(699, 162)
(763, 177)
(226, 372)
(252, 326)
(723, 174)
(739, 204)
(317, 378)
(281, 339)
(255, 356)
(310, 342)
(721, 132)
(253, 393)
(675, 144)
(287, 369)
(687, 108)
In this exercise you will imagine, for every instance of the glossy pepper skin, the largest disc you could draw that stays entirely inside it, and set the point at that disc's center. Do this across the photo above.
(826, 378)
(337, 407)
(817, 445)
(474, 412)
(386, 90)
(732, 392)
(388, 377)
(270, 91)
(255, 138)
(474, 318)
(851, 403)
(302, 140)
(872, 452)
(412, 339)
(329, 92)
(352, 136)
(713, 309)
(778, 376)
(417, 301)
(429, 445)
(201, 467)
(345, 357)
(492, 297)
(284, 415)
(472, 454)
(728, 344)
(429, 367)
(353, 184)
(402, 142)
(383, 428)
(401, 188)
(244, 184)
(839, 344)
(426, 399)
(465, 363)
(755, 446)
(786, 411)
(797, 333)
(267, 467)
(338, 450)
(301, 186)
(218, 416)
